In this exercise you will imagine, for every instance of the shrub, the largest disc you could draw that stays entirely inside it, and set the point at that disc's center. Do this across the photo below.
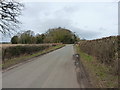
(105, 49)
(16, 51)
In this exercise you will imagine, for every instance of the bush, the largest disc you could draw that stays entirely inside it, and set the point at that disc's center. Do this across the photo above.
(16, 51)
(105, 49)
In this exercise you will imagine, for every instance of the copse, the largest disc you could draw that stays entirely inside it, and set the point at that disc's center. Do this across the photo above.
(27, 37)
(55, 35)
(15, 40)
(60, 35)
(39, 38)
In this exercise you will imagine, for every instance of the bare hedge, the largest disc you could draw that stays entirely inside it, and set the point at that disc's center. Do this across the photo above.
(105, 49)
(16, 51)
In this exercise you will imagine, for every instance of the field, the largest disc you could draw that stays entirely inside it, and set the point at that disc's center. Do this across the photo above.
(11, 45)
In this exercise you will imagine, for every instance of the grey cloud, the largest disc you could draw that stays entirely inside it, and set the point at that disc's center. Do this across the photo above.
(53, 23)
(88, 20)
(87, 34)
(42, 16)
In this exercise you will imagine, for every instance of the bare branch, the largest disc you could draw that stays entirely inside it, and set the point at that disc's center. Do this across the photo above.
(9, 11)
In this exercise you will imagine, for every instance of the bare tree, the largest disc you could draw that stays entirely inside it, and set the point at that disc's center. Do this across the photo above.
(9, 11)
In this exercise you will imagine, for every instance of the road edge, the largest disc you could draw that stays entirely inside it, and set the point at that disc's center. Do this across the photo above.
(30, 59)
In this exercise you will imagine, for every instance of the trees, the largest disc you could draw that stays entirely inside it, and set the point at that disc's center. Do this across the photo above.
(60, 35)
(14, 40)
(40, 38)
(27, 37)
(9, 11)
(56, 35)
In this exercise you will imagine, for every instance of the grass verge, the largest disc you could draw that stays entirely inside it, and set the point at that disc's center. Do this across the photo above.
(100, 74)
(11, 62)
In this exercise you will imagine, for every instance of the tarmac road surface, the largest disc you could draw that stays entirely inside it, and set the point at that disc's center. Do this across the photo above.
(53, 70)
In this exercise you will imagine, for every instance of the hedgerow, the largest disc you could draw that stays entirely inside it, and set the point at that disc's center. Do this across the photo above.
(16, 51)
(105, 50)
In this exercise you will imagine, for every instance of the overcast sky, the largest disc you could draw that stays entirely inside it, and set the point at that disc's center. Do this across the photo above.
(90, 20)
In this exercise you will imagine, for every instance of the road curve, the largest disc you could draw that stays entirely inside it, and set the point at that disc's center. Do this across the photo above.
(53, 70)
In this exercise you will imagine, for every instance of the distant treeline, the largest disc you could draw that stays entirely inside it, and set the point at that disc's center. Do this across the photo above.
(4, 42)
(105, 50)
(55, 35)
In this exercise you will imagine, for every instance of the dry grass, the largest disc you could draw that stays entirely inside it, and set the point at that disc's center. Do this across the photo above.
(11, 45)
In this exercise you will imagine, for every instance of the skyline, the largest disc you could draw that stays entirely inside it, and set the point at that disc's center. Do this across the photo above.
(90, 20)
